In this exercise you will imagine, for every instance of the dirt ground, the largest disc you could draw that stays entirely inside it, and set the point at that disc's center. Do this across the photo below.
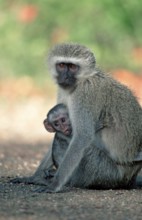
(18, 201)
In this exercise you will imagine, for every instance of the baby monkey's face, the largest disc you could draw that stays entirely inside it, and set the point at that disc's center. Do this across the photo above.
(58, 123)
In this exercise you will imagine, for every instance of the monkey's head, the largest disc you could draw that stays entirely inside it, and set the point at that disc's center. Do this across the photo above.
(58, 120)
(68, 62)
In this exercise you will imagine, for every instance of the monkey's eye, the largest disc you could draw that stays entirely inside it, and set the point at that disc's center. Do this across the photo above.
(73, 67)
(60, 65)
(63, 120)
(56, 124)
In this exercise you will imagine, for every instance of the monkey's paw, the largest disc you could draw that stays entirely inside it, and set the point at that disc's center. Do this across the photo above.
(51, 189)
(45, 189)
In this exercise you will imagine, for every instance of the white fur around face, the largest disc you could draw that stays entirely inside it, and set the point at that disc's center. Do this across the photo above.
(74, 60)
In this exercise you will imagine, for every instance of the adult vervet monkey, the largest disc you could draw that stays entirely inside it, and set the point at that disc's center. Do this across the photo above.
(105, 159)
(95, 159)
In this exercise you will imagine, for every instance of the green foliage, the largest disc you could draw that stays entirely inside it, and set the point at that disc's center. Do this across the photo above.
(112, 29)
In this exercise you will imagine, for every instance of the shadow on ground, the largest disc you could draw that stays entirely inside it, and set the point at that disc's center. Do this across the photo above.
(18, 201)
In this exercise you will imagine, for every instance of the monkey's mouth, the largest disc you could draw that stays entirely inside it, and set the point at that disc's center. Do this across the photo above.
(68, 132)
(65, 85)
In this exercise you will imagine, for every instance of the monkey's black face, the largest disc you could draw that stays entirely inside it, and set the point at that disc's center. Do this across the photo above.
(67, 74)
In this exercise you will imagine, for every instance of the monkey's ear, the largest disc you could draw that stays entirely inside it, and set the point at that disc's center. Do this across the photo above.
(48, 126)
(139, 157)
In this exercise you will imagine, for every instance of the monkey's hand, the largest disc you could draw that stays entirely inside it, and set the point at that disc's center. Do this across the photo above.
(45, 189)
(51, 187)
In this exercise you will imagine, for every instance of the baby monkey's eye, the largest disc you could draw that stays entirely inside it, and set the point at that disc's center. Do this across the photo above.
(56, 123)
(63, 119)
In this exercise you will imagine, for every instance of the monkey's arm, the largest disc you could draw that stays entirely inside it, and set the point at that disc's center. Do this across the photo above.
(39, 177)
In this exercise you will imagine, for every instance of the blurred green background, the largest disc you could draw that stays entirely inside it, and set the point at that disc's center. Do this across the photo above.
(112, 29)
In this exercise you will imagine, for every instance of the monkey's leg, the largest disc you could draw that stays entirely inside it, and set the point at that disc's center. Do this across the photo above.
(97, 170)
(39, 177)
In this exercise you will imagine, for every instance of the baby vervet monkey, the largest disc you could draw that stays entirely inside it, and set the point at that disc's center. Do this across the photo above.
(58, 121)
